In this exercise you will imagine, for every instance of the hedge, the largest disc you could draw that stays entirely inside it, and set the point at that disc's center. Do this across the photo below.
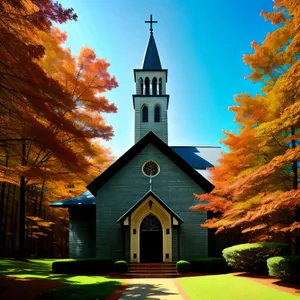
(252, 257)
(210, 265)
(285, 267)
(183, 266)
(120, 266)
(83, 266)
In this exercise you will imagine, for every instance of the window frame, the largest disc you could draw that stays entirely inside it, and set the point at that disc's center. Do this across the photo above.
(157, 106)
(145, 113)
(158, 168)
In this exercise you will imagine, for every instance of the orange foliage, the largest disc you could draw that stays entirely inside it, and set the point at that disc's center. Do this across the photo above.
(50, 104)
(60, 121)
(257, 182)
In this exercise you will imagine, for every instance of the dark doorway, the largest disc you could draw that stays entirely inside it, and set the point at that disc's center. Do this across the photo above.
(151, 241)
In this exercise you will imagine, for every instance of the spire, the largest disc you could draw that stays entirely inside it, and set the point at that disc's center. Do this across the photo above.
(151, 59)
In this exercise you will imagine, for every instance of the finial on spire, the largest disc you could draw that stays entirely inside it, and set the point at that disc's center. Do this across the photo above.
(151, 22)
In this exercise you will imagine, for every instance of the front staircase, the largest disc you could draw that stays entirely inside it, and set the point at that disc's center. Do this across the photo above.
(151, 270)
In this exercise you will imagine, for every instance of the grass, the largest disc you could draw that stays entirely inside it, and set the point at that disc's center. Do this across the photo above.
(100, 288)
(80, 287)
(229, 287)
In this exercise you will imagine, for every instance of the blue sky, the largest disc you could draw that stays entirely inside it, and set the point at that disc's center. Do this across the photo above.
(201, 43)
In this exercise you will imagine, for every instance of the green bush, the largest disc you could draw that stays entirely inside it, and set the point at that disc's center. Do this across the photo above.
(121, 266)
(183, 266)
(210, 265)
(83, 266)
(252, 257)
(285, 267)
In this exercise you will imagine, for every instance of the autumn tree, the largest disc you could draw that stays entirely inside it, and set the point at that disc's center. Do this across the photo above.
(20, 100)
(256, 184)
(50, 102)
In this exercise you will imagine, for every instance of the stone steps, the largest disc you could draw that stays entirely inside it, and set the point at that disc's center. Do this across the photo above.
(151, 270)
(151, 275)
(154, 270)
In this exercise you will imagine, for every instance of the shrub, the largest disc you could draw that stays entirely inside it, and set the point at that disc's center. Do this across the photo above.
(121, 266)
(83, 266)
(252, 257)
(285, 267)
(210, 265)
(183, 266)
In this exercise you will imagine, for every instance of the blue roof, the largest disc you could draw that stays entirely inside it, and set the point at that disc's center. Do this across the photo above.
(191, 155)
(84, 199)
(151, 58)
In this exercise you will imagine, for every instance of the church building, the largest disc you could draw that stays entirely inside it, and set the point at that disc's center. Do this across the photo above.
(138, 208)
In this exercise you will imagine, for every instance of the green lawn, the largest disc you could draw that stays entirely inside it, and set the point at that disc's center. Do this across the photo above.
(229, 287)
(91, 287)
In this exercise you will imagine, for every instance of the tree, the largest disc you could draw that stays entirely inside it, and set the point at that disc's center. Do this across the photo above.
(20, 100)
(256, 185)
(50, 121)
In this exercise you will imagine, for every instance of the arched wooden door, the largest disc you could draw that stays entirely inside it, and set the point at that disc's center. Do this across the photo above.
(151, 240)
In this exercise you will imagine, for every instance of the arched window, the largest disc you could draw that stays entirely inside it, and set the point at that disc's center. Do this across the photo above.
(160, 86)
(157, 114)
(141, 85)
(154, 86)
(145, 113)
(151, 223)
(147, 86)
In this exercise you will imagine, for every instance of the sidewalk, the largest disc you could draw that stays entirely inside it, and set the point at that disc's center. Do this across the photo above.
(153, 288)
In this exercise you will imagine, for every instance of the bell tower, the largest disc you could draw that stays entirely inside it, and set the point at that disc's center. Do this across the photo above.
(150, 101)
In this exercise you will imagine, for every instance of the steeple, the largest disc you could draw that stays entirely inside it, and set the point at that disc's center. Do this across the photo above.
(151, 101)
(151, 59)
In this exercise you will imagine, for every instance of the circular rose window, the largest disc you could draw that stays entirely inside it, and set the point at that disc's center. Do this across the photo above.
(150, 168)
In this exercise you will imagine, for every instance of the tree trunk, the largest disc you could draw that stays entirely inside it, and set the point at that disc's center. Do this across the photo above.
(295, 239)
(21, 255)
(15, 229)
(4, 233)
(28, 224)
(41, 199)
(3, 186)
(40, 215)
(52, 235)
(12, 218)
(295, 167)
(33, 241)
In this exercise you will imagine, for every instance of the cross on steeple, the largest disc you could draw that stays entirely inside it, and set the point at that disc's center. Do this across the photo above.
(151, 22)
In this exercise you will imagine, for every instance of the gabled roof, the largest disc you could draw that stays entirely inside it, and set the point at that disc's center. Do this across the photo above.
(137, 204)
(151, 59)
(192, 156)
(85, 198)
(150, 138)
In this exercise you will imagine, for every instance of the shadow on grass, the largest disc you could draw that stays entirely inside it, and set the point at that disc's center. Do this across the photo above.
(263, 278)
(14, 267)
(36, 269)
(25, 288)
(98, 291)
(252, 275)
(27, 280)
(146, 291)
(288, 285)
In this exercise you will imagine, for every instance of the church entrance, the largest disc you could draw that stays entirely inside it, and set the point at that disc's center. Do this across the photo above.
(151, 240)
